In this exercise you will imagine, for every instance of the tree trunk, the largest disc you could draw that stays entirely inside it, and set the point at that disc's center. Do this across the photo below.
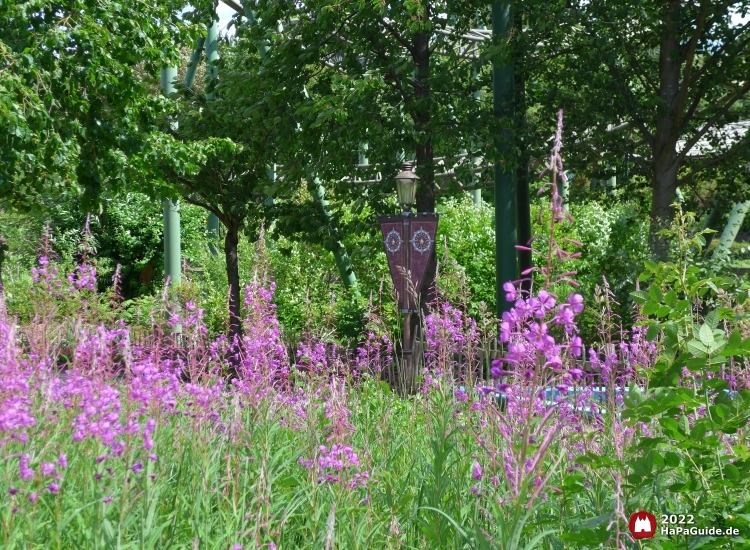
(233, 277)
(666, 163)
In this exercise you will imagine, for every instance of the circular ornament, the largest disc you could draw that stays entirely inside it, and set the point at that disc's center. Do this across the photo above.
(421, 241)
(393, 241)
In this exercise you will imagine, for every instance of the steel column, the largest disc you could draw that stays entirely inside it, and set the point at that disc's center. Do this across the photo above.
(343, 262)
(505, 171)
(212, 55)
(195, 59)
(736, 217)
(172, 252)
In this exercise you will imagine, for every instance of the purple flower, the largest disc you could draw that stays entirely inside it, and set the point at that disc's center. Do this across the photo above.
(476, 471)
(576, 302)
(47, 468)
(510, 291)
(63, 461)
(576, 346)
(33, 498)
(23, 466)
(12, 491)
(53, 488)
(137, 467)
(107, 500)
(545, 303)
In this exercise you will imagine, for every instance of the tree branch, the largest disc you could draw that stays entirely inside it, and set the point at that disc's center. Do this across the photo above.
(712, 121)
(628, 100)
(718, 159)
(397, 36)
(718, 54)
(689, 59)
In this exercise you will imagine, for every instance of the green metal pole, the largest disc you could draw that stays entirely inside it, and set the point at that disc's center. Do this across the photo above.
(710, 220)
(736, 217)
(195, 58)
(565, 188)
(505, 173)
(343, 262)
(476, 194)
(172, 256)
(212, 49)
(212, 54)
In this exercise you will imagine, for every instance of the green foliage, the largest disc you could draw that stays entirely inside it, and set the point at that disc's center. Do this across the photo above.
(693, 458)
(73, 100)
(615, 245)
(614, 85)
(468, 233)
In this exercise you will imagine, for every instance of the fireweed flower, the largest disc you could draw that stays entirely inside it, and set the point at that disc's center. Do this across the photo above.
(47, 469)
(53, 488)
(24, 471)
(476, 471)
(63, 460)
(334, 462)
(510, 291)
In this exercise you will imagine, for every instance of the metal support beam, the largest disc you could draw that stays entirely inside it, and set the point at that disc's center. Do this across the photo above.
(343, 262)
(172, 252)
(195, 59)
(476, 193)
(731, 229)
(212, 55)
(505, 173)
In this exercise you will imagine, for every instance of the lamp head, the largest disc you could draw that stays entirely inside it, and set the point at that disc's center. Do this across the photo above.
(406, 186)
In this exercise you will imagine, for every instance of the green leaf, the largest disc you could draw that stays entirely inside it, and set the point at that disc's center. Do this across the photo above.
(655, 292)
(731, 472)
(534, 542)
(650, 308)
(706, 335)
(663, 311)
(672, 459)
(698, 431)
(640, 296)
(697, 348)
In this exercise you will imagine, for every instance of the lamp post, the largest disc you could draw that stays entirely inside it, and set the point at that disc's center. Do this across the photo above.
(409, 240)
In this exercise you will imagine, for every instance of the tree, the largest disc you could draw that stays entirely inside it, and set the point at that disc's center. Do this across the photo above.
(73, 105)
(389, 75)
(656, 82)
(214, 151)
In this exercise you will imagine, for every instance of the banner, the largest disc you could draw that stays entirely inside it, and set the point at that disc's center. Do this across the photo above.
(409, 241)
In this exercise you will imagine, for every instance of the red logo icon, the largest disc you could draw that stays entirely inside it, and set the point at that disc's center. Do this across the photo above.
(642, 525)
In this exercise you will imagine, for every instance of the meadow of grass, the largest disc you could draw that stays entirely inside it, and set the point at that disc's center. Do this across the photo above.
(154, 434)
(118, 438)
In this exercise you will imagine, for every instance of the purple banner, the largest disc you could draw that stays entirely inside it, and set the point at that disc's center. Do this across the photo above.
(409, 243)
